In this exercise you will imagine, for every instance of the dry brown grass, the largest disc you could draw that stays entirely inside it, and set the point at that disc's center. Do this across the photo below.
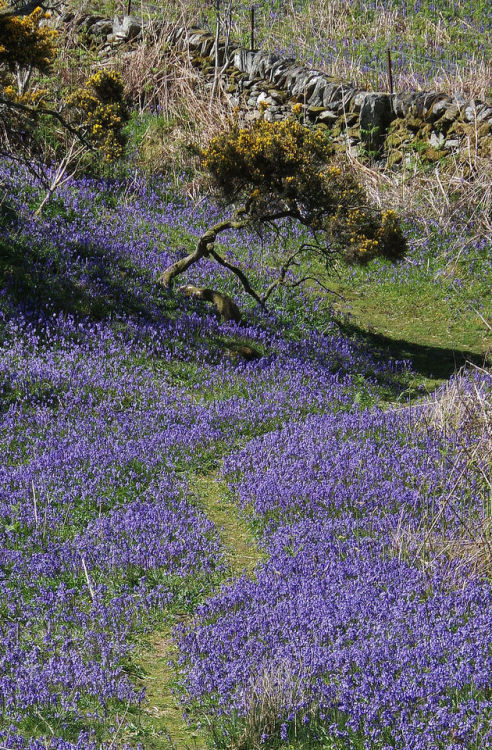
(341, 19)
(453, 194)
(162, 80)
(462, 408)
(270, 696)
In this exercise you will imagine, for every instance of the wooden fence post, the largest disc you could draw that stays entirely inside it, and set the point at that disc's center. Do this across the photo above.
(390, 73)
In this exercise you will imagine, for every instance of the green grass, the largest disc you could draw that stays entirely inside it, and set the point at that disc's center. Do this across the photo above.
(159, 723)
(416, 321)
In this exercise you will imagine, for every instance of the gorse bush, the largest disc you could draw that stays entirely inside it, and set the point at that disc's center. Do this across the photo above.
(26, 44)
(282, 169)
(278, 173)
(53, 135)
(99, 108)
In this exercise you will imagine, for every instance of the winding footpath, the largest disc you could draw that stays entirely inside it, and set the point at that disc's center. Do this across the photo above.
(162, 726)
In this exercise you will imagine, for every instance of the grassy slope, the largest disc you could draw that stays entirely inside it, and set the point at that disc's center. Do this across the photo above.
(435, 325)
(437, 329)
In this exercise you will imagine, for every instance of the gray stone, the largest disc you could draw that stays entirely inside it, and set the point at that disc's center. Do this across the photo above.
(332, 93)
(115, 39)
(206, 46)
(451, 113)
(243, 60)
(312, 83)
(194, 39)
(303, 87)
(375, 116)
(279, 70)
(438, 107)
(459, 100)
(403, 103)
(85, 22)
(259, 63)
(316, 98)
(437, 140)
(327, 117)
(100, 29)
(128, 26)
(294, 74)
(357, 100)
(484, 112)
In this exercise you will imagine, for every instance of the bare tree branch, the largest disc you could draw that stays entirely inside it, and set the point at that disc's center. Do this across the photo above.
(35, 111)
(204, 246)
(241, 276)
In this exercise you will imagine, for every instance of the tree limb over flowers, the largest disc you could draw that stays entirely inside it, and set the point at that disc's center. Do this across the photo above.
(282, 172)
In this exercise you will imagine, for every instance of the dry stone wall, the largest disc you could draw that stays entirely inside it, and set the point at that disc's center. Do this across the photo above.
(392, 129)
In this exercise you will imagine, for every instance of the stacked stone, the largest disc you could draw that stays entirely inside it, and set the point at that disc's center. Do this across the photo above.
(393, 129)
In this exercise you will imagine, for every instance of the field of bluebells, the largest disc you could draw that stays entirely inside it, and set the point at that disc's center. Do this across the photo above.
(113, 395)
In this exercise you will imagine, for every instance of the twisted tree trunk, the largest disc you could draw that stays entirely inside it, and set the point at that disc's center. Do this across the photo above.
(225, 306)
(204, 248)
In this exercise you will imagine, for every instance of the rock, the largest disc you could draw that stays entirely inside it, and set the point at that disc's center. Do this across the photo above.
(279, 71)
(303, 85)
(316, 98)
(437, 140)
(375, 116)
(356, 100)
(127, 27)
(242, 351)
(100, 30)
(206, 46)
(459, 100)
(438, 108)
(402, 104)
(483, 112)
(264, 97)
(115, 39)
(243, 60)
(321, 114)
(332, 93)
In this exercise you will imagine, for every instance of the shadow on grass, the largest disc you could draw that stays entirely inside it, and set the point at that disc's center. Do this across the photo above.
(83, 281)
(433, 362)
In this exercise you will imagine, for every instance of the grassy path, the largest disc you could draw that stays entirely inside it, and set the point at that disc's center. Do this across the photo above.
(161, 725)
(242, 551)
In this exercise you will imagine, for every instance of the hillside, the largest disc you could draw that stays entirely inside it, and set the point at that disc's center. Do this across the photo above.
(272, 533)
